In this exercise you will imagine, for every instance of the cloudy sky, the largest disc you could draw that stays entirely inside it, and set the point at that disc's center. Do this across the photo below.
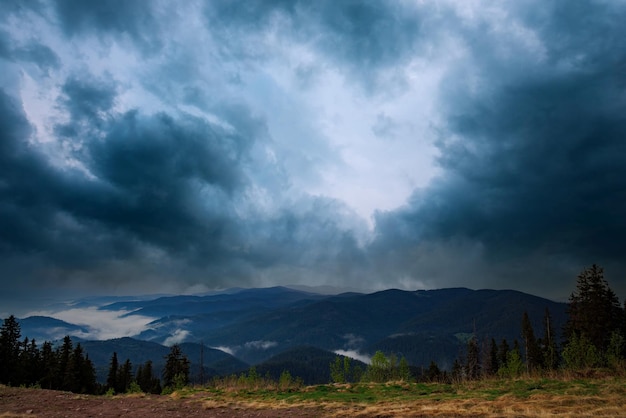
(167, 146)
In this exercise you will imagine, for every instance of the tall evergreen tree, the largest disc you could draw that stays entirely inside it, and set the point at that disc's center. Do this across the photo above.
(10, 335)
(594, 310)
(457, 370)
(146, 379)
(49, 366)
(124, 377)
(492, 366)
(503, 352)
(112, 376)
(83, 375)
(88, 376)
(30, 363)
(176, 368)
(64, 375)
(433, 373)
(531, 347)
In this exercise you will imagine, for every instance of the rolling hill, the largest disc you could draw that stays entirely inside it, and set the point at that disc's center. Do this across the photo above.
(252, 326)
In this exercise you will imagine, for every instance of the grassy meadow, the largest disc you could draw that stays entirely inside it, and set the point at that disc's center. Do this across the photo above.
(525, 397)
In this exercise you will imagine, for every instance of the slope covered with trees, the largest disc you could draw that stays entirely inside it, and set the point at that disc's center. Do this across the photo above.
(591, 337)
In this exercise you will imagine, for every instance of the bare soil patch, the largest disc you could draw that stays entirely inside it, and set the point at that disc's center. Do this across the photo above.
(21, 402)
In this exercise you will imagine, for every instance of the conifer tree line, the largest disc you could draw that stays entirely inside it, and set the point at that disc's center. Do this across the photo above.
(594, 336)
(22, 362)
(66, 367)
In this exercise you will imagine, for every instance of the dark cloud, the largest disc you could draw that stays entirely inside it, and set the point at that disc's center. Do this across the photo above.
(88, 98)
(41, 55)
(534, 162)
(529, 117)
(33, 52)
(14, 161)
(361, 37)
(156, 196)
(367, 34)
(112, 17)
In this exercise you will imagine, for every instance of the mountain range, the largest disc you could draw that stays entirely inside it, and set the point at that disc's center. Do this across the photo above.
(242, 327)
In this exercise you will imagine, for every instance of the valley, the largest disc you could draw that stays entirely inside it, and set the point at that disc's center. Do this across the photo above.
(239, 328)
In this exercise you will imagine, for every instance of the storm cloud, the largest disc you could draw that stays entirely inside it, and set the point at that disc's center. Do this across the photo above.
(185, 147)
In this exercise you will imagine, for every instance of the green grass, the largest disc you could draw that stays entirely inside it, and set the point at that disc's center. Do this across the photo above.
(490, 397)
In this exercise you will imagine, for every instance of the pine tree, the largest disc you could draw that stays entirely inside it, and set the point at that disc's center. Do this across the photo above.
(112, 376)
(81, 373)
(124, 377)
(533, 352)
(146, 379)
(457, 370)
(64, 375)
(77, 361)
(30, 363)
(88, 376)
(594, 310)
(176, 370)
(10, 335)
(503, 352)
(433, 373)
(49, 366)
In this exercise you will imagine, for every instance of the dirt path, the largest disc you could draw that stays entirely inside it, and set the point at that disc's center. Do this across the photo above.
(20, 402)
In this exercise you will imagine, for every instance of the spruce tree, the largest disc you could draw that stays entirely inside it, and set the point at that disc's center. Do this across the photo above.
(64, 373)
(532, 350)
(433, 373)
(30, 370)
(77, 362)
(594, 310)
(112, 376)
(146, 379)
(88, 376)
(49, 366)
(503, 353)
(10, 334)
(124, 377)
(176, 370)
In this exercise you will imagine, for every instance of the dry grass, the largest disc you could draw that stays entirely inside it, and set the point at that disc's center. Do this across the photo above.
(535, 397)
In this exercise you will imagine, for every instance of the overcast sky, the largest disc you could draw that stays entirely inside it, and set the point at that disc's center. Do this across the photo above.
(168, 146)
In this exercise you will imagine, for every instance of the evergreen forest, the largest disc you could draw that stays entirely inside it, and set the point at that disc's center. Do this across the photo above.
(594, 338)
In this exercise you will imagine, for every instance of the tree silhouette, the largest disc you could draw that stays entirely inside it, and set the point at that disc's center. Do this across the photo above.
(594, 309)
(9, 350)
(112, 376)
(176, 371)
(533, 352)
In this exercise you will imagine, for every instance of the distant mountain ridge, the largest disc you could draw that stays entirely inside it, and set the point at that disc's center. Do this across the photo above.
(45, 328)
(253, 325)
